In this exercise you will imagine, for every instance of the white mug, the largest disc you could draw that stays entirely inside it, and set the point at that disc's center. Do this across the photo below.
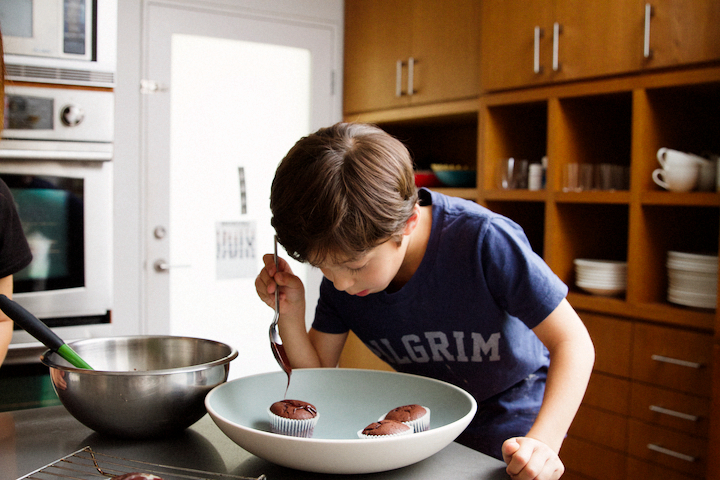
(669, 158)
(678, 178)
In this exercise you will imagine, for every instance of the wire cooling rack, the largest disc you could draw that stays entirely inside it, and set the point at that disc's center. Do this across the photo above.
(86, 464)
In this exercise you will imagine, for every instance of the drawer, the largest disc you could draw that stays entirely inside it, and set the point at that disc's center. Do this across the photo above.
(661, 446)
(591, 460)
(608, 393)
(672, 358)
(613, 343)
(638, 470)
(675, 410)
(599, 426)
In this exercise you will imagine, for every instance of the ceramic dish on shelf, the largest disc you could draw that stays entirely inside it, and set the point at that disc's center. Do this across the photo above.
(347, 401)
(426, 178)
(692, 279)
(458, 176)
(601, 277)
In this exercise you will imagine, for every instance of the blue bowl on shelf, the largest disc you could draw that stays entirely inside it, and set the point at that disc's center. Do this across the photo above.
(455, 177)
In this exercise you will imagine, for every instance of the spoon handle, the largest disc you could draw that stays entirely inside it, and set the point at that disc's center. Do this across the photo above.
(275, 257)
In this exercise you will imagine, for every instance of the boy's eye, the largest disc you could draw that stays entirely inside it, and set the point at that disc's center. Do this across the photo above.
(356, 270)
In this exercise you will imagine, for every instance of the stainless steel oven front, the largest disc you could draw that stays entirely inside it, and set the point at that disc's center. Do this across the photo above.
(56, 157)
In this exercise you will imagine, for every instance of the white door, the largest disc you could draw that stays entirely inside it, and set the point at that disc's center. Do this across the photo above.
(227, 96)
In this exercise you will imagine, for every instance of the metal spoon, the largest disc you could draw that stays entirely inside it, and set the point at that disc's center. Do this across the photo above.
(275, 341)
(31, 324)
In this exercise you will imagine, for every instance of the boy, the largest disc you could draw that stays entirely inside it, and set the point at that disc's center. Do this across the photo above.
(434, 285)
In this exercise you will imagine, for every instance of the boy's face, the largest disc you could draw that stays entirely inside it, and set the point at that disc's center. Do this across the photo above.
(371, 273)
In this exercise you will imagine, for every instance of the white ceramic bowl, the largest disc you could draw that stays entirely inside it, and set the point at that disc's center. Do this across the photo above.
(347, 400)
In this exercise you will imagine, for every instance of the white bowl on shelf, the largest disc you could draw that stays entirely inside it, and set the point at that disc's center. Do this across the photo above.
(601, 277)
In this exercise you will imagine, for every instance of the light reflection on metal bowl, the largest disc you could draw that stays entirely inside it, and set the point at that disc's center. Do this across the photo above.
(140, 386)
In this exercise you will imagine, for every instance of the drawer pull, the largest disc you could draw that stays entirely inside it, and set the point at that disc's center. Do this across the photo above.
(673, 413)
(647, 53)
(675, 361)
(398, 78)
(557, 30)
(536, 50)
(671, 453)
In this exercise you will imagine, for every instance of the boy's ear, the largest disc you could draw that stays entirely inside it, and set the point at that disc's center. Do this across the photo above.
(413, 221)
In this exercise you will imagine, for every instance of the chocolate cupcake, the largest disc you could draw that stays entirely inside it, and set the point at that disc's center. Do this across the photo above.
(415, 416)
(385, 428)
(293, 417)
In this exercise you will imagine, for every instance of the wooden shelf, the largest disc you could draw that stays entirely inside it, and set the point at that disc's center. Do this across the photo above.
(598, 197)
(690, 199)
(665, 313)
(466, 193)
(419, 113)
(515, 195)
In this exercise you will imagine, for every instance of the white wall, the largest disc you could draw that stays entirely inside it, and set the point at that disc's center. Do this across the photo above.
(129, 218)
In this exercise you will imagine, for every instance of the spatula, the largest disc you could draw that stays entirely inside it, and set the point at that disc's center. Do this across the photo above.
(31, 324)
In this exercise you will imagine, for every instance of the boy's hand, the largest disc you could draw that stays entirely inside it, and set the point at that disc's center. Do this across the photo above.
(530, 459)
(292, 291)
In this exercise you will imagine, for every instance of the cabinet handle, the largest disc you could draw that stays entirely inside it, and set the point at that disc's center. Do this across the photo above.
(673, 413)
(675, 361)
(672, 453)
(411, 76)
(647, 53)
(398, 78)
(536, 50)
(557, 30)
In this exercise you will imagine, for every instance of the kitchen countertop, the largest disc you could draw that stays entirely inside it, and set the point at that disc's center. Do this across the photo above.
(32, 439)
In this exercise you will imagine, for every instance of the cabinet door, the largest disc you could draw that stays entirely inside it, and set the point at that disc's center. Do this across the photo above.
(683, 31)
(378, 34)
(512, 56)
(446, 49)
(596, 38)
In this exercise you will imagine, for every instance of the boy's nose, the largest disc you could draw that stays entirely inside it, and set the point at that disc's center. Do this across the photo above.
(342, 282)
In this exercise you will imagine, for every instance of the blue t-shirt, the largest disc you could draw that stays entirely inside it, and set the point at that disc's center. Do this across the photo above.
(465, 316)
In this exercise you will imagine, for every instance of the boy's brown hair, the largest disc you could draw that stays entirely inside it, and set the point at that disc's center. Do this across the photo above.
(342, 191)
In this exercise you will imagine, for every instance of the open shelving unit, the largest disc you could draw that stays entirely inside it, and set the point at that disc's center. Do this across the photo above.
(622, 121)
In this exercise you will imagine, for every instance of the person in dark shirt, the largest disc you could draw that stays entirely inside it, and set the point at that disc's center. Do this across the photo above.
(14, 249)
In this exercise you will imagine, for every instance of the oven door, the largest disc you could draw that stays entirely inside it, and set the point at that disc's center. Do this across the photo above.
(66, 211)
(48, 28)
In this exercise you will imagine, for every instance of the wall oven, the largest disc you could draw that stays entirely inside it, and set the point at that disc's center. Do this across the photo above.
(56, 157)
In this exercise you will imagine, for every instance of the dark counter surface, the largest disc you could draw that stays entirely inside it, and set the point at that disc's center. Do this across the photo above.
(32, 439)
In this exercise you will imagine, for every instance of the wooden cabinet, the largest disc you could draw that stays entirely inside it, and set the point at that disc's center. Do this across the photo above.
(682, 32)
(641, 413)
(606, 103)
(400, 53)
(562, 40)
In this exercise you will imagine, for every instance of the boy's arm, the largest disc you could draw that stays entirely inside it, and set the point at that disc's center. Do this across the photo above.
(6, 325)
(571, 360)
(304, 350)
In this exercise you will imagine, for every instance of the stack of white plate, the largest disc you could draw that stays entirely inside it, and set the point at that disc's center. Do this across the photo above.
(692, 279)
(601, 277)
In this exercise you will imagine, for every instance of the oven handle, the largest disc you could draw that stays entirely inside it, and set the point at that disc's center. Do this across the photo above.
(50, 150)
(55, 155)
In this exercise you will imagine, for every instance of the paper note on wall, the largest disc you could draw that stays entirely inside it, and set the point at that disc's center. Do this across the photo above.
(236, 255)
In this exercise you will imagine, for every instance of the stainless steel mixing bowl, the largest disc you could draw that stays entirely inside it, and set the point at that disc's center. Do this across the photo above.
(141, 386)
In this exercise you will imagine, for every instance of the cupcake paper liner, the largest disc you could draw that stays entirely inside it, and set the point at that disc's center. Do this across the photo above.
(374, 437)
(418, 425)
(292, 427)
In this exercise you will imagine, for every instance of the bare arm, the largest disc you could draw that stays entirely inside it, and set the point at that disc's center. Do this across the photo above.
(572, 356)
(304, 349)
(6, 325)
